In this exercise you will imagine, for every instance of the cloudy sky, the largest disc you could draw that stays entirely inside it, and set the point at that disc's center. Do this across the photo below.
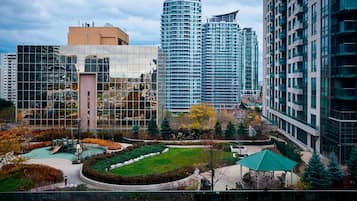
(47, 21)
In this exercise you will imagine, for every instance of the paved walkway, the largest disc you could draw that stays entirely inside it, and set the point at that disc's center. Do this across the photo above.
(70, 170)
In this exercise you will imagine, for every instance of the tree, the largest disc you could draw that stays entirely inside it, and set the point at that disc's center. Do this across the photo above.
(242, 130)
(165, 129)
(352, 164)
(230, 131)
(315, 173)
(152, 127)
(202, 116)
(334, 172)
(218, 129)
(136, 129)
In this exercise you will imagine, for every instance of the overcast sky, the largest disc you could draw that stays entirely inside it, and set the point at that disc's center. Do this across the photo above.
(47, 21)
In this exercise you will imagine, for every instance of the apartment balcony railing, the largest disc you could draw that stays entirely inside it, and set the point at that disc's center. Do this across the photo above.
(298, 9)
(347, 49)
(282, 22)
(348, 26)
(282, 61)
(298, 102)
(282, 48)
(282, 75)
(346, 93)
(282, 34)
(282, 8)
(282, 101)
(344, 71)
(343, 115)
(282, 88)
(348, 5)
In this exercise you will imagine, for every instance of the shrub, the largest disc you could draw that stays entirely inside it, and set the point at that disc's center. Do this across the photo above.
(288, 150)
(35, 145)
(105, 143)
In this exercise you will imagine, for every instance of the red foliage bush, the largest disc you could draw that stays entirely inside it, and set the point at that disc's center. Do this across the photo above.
(35, 145)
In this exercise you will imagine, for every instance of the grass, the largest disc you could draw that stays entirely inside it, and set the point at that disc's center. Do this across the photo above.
(14, 183)
(175, 158)
(24, 177)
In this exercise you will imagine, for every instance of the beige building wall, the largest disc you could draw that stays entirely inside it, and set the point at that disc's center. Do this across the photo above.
(97, 36)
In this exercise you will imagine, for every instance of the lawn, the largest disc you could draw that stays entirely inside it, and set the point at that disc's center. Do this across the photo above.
(27, 176)
(175, 158)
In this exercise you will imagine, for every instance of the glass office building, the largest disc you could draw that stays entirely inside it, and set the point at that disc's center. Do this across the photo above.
(250, 55)
(310, 79)
(105, 87)
(181, 46)
(221, 61)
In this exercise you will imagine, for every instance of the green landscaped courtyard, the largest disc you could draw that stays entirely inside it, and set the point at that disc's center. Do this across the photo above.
(175, 158)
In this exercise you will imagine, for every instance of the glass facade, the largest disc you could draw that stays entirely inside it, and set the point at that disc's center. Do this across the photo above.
(181, 49)
(340, 124)
(250, 55)
(221, 61)
(124, 86)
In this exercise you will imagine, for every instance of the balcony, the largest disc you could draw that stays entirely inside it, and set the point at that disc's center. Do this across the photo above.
(282, 48)
(271, 17)
(282, 88)
(348, 5)
(344, 71)
(344, 115)
(298, 102)
(346, 93)
(282, 75)
(282, 101)
(282, 61)
(271, 29)
(282, 8)
(347, 49)
(299, 25)
(297, 107)
(347, 26)
(282, 22)
(298, 9)
(282, 34)
(298, 41)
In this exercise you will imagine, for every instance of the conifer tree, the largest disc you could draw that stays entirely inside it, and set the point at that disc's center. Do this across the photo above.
(152, 127)
(136, 129)
(230, 131)
(218, 129)
(352, 164)
(242, 129)
(334, 172)
(315, 173)
(165, 129)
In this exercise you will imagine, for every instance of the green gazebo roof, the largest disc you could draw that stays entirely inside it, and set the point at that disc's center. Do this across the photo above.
(267, 160)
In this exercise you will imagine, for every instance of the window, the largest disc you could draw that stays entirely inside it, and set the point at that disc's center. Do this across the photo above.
(313, 56)
(313, 92)
(313, 19)
(313, 120)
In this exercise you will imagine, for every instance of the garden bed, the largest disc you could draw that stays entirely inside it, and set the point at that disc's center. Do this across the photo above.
(24, 177)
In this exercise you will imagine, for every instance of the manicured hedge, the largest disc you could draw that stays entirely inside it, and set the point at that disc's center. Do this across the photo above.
(94, 167)
(130, 153)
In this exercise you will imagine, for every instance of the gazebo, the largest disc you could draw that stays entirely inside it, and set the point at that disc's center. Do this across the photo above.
(267, 161)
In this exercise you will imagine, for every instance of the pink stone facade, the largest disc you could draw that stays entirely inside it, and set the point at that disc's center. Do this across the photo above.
(88, 101)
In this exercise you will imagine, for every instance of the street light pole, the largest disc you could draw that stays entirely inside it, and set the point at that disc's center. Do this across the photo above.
(78, 137)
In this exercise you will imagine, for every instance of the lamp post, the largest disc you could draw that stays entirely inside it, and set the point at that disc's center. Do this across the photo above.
(78, 147)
